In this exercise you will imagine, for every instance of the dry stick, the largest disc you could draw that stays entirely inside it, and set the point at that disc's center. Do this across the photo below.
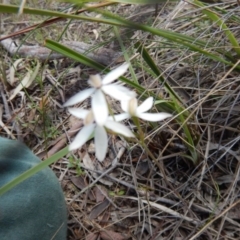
(197, 102)
(4, 126)
(93, 183)
(208, 224)
(101, 55)
(6, 107)
(118, 180)
(164, 174)
(61, 141)
(204, 164)
(194, 107)
(7, 111)
(114, 165)
(53, 20)
(166, 209)
(225, 211)
(230, 187)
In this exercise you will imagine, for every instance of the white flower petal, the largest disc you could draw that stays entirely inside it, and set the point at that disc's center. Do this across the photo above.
(78, 112)
(79, 97)
(125, 105)
(82, 137)
(99, 107)
(145, 106)
(101, 143)
(119, 117)
(95, 81)
(118, 92)
(115, 74)
(119, 128)
(153, 117)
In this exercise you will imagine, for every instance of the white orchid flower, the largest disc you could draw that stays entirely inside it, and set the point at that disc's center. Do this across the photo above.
(100, 134)
(99, 87)
(132, 109)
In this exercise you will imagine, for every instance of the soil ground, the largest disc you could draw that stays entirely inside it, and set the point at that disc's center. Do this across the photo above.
(135, 199)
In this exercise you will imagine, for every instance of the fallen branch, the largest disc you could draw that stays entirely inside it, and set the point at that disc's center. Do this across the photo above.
(101, 55)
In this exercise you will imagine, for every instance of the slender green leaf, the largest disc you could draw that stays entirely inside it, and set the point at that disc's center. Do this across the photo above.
(125, 54)
(33, 171)
(215, 18)
(190, 42)
(115, 20)
(124, 1)
(148, 59)
(182, 39)
(55, 46)
(183, 113)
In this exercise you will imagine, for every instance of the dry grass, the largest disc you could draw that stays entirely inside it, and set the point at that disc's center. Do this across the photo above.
(137, 198)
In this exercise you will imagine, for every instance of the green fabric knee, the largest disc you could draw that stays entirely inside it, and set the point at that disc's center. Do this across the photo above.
(34, 209)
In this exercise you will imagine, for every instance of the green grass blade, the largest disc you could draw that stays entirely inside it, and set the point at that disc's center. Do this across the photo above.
(124, 1)
(190, 42)
(33, 171)
(65, 51)
(214, 17)
(182, 39)
(182, 120)
(68, 52)
(125, 54)
(148, 59)
(183, 114)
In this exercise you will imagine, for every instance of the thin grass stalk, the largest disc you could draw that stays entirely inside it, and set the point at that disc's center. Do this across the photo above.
(186, 41)
(33, 171)
(216, 19)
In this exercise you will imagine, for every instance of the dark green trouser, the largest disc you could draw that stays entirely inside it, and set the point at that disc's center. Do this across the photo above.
(35, 209)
